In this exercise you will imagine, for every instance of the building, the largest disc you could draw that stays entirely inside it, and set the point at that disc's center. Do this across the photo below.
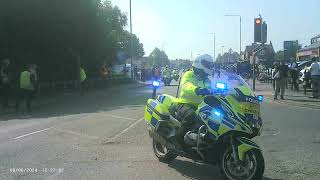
(313, 50)
(264, 52)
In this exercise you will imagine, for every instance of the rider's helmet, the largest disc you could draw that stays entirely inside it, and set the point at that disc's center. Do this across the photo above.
(203, 65)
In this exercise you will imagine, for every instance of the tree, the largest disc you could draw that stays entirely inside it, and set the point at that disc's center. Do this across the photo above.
(53, 34)
(219, 58)
(158, 58)
(279, 55)
(130, 44)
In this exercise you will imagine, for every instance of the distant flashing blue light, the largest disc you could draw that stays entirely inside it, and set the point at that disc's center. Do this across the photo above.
(156, 83)
(221, 86)
(260, 98)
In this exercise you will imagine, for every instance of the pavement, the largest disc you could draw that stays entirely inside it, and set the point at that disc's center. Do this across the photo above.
(102, 135)
(291, 97)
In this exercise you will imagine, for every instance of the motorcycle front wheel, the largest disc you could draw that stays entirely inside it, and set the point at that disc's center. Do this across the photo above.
(251, 168)
(162, 153)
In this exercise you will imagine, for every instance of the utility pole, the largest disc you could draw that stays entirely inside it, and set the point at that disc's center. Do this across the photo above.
(240, 30)
(131, 41)
(214, 45)
(254, 52)
(222, 50)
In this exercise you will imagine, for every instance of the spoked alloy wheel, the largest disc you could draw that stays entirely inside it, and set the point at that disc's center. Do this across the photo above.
(162, 153)
(251, 168)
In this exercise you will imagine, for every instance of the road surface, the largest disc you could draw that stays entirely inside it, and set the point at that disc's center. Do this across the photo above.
(103, 136)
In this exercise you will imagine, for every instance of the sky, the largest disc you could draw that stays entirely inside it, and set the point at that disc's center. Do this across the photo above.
(182, 27)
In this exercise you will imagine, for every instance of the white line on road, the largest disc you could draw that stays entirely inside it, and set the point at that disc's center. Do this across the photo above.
(31, 133)
(76, 133)
(119, 117)
(125, 130)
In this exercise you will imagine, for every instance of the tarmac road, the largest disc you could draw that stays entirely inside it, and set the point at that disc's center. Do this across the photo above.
(103, 136)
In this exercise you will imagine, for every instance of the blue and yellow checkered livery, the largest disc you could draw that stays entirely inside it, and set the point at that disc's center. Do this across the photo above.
(158, 109)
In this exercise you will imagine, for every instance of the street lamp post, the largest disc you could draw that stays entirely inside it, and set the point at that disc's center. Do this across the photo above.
(131, 41)
(233, 15)
(214, 45)
(162, 54)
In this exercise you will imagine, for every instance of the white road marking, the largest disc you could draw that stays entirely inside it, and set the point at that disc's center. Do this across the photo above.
(119, 117)
(125, 130)
(76, 133)
(32, 133)
(276, 133)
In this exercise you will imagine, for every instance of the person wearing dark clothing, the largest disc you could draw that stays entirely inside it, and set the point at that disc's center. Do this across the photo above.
(5, 83)
(281, 79)
(294, 76)
(143, 74)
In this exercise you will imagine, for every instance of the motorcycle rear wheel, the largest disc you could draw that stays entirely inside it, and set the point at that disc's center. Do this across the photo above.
(252, 167)
(162, 153)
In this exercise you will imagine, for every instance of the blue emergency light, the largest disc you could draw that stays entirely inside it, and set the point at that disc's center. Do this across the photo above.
(260, 98)
(221, 86)
(156, 83)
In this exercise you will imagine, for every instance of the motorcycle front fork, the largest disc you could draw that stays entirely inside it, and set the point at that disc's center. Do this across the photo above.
(154, 93)
(234, 149)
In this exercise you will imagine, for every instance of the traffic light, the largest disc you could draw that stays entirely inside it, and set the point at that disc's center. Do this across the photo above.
(264, 32)
(260, 30)
(257, 29)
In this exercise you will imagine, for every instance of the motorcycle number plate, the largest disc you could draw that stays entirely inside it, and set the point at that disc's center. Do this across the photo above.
(250, 108)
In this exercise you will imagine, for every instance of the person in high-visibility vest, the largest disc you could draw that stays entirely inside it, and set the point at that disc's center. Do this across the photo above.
(27, 85)
(194, 85)
(83, 77)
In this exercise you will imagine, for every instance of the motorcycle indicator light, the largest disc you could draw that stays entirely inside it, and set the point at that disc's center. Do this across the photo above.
(260, 98)
(221, 86)
(156, 83)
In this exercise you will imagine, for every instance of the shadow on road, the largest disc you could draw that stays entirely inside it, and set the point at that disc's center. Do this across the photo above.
(94, 101)
(196, 170)
(199, 171)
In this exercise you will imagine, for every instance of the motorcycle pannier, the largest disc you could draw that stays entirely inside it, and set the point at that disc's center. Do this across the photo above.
(154, 112)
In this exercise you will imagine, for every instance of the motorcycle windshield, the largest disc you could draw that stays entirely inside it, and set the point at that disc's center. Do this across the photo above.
(234, 82)
(239, 95)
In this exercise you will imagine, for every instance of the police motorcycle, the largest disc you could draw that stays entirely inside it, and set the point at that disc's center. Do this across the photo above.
(175, 75)
(166, 79)
(227, 120)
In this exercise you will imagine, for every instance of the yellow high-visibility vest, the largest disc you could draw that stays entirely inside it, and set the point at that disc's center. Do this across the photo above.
(188, 85)
(25, 81)
(83, 75)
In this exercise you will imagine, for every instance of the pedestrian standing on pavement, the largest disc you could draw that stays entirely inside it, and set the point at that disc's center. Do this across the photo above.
(275, 76)
(83, 78)
(294, 75)
(27, 84)
(315, 78)
(281, 78)
(5, 83)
